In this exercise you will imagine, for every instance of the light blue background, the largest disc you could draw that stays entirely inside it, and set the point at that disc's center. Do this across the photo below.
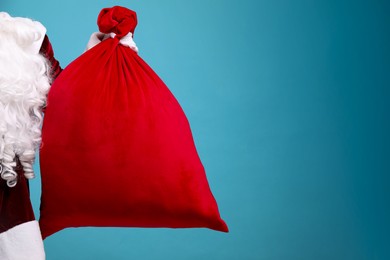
(289, 106)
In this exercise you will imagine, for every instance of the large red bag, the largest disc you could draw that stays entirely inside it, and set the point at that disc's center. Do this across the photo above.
(117, 149)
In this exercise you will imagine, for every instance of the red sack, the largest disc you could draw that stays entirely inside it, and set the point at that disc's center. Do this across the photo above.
(117, 147)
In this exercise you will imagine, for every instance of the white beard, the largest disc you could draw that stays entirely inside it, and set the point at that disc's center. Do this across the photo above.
(24, 85)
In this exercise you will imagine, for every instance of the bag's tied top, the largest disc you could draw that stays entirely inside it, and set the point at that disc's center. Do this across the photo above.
(115, 22)
(118, 20)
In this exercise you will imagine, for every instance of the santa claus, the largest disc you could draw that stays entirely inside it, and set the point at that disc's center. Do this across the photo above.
(27, 68)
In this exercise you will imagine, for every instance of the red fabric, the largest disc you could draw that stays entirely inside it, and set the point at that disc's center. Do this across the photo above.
(118, 150)
(118, 20)
(55, 68)
(15, 204)
(47, 52)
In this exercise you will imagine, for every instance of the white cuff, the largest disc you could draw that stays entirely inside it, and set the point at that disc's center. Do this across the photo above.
(22, 242)
(98, 37)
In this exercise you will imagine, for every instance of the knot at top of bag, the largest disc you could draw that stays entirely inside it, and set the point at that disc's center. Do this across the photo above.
(118, 20)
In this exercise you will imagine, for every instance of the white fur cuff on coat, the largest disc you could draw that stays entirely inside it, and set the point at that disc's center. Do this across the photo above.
(22, 242)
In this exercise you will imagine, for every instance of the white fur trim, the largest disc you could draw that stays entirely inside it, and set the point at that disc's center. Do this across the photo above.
(98, 37)
(36, 46)
(95, 39)
(23, 242)
(39, 29)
